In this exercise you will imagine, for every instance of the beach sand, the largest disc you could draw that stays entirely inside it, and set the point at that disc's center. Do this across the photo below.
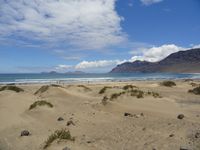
(150, 122)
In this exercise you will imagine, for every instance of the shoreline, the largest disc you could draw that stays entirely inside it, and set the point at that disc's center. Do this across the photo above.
(61, 82)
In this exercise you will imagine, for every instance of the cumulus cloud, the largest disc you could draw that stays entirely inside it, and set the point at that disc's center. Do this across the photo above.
(63, 67)
(196, 46)
(149, 2)
(85, 24)
(155, 54)
(96, 64)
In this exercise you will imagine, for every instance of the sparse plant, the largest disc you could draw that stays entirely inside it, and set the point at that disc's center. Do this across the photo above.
(195, 90)
(116, 95)
(140, 94)
(127, 87)
(58, 135)
(11, 88)
(103, 90)
(194, 84)
(85, 87)
(56, 85)
(42, 89)
(40, 103)
(104, 100)
(168, 83)
(154, 94)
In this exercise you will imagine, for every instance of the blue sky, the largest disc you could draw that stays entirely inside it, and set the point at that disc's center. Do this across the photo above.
(93, 35)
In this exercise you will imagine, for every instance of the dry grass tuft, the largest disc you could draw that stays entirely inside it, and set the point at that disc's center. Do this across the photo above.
(129, 87)
(11, 88)
(85, 87)
(40, 103)
(168, 83)
(42, 89)
(103, 90)
(58, 135)
(195, 91)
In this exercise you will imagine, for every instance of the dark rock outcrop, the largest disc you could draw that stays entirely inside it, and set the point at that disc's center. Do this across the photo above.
(180, 62)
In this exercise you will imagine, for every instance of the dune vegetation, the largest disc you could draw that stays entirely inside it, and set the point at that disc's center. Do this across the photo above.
(103, 90)
(195, 91)
(168, 83)
(42, 89)
(40, 103)
(85, 87)
(58, 135)
(11, 88)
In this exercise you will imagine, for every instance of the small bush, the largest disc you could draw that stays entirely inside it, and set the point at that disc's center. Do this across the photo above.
(58, 135)
(194, 84)
(116, 95)
(137, 93)
(104, 100)
(168, 83)
(85, 87)
(154, 94)
(140, 94)
(11, 88)
(40, 103)
(103, 90)
(195, 91)
(42, 89)
(127, 87)
(56, 85)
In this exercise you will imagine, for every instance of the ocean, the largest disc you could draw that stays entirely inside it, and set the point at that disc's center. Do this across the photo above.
(70, 78)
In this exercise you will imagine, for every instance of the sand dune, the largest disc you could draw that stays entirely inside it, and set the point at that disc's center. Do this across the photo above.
(152, 123)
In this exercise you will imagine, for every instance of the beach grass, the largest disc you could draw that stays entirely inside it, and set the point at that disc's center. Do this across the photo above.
(103, 90)
(85, 87)
(40, 103)
(195, 91)
(42, 89)
(168, 83)
(11, 88)
(58, 135)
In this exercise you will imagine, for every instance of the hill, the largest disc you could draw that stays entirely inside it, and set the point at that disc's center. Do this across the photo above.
(180, 62)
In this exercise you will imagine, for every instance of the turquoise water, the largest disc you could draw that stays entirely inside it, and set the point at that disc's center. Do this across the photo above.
(54, 78)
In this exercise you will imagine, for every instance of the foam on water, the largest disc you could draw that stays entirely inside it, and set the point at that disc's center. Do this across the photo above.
(71, 78)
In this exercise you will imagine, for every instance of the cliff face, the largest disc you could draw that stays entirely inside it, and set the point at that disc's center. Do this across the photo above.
(179, 62)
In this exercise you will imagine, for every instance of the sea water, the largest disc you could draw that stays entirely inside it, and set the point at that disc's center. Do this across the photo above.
(91, 77)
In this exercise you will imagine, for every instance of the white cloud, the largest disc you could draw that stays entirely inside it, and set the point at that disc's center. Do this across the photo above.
(196, 46)
(63, 67)
(149, 2)
(157, 53)
(85, 24)
(96, 64)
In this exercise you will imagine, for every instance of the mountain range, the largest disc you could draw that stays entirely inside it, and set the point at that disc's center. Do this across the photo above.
(187, 61)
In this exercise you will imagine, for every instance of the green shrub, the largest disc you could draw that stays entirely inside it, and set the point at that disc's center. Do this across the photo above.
(85, 87)
(195, 91)
(154, 94)
(40, 103)
(137, 93)
(168, 83)
(194, 84)
(11, 88)
(103, 90)
(116, 95)
(104, 100)
(56, 85)
(42, 89)
(127, 87)
(58, 135)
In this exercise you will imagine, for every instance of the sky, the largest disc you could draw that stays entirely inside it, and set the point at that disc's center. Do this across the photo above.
(93, 35)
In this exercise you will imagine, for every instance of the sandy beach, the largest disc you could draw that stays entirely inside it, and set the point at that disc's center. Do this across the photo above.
(143, 116)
